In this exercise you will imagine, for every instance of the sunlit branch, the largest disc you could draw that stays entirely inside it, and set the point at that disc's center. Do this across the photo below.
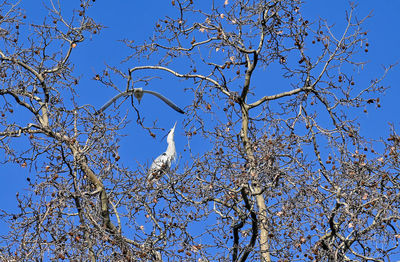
(280, 95)
(175, 73)
(254, 226)
(39, 76)
(21, 130)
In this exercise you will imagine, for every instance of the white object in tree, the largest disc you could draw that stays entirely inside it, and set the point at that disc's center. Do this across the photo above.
(162, 163)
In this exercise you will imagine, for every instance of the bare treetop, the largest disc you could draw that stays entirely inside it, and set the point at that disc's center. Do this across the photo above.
(275, 167)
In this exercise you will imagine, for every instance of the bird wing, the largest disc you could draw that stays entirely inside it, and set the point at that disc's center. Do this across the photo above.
(130, 92)
(166, 100)
(112, 100)
(159, 166)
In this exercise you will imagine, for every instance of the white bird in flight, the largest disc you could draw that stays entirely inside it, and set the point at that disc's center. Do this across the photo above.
(162, 163)
(138, 93)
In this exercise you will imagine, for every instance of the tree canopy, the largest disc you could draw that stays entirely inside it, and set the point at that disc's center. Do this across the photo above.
(281, 173)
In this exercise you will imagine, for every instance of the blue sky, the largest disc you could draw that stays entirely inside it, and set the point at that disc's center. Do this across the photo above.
(136, 20)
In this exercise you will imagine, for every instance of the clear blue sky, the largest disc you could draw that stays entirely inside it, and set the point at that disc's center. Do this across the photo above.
(136, 20)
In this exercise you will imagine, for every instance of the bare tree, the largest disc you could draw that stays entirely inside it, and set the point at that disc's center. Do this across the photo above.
(286, 175)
